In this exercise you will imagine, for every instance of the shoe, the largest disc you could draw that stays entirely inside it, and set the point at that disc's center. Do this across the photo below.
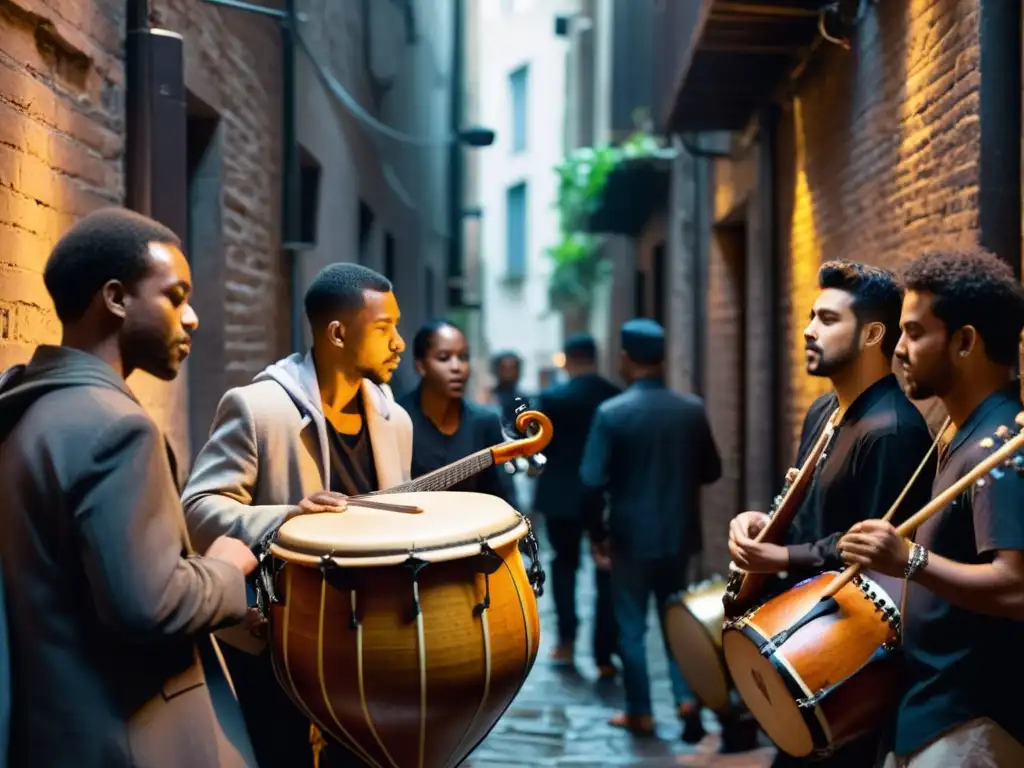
(638, 725)
(693, 728)
(607, 671)
(562, 653)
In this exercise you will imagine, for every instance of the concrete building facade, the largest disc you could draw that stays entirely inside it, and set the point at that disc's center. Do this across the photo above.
(369, 194)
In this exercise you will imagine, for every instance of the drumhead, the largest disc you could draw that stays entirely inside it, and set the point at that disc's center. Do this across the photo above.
(693, 626)
(452, 525)
(765, 693)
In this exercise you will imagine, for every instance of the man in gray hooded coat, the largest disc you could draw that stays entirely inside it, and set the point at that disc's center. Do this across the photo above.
(306, 433)
(106, 657)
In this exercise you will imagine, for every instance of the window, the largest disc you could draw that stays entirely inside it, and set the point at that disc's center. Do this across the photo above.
(519, 82)
(309, 196)
(366, 218)
(428, 290)
(515, 240)
(389, 257)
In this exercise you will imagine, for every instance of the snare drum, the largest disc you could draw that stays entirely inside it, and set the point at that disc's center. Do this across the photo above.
(817, 674)
(405, 636)
(693, 626)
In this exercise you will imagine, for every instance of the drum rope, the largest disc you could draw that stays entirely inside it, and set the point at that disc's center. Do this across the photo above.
(421, 649)
(481, 611)
(362, 685)
(355, 746)
(486, 631)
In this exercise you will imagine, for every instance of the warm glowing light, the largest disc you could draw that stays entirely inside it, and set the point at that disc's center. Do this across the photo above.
(558, 359)
(805, 259)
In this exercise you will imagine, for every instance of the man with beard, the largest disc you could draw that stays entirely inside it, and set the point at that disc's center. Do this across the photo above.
(964, 604)
(879, 441)
(106, 614)
(308, 432)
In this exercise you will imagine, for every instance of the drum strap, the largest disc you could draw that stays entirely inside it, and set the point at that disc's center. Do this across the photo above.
(913, 536)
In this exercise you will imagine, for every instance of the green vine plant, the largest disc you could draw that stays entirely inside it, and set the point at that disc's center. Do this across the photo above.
(579, 265)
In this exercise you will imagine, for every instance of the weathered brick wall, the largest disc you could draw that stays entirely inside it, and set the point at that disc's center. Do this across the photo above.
(877, 158)
(61, 87)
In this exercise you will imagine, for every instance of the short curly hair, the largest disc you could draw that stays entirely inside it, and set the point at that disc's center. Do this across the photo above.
(877, 297)
(972, 287)
(338, 290)
(108, 244)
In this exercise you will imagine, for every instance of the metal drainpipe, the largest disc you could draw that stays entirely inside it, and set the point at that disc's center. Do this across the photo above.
(455, 175)
(999, 187)
(290, 189)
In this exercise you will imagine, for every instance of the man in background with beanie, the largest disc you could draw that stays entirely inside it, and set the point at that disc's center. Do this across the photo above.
(650, 450)
(571, 407)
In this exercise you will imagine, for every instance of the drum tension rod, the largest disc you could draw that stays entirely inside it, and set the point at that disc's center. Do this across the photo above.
(343, 580)
(415, 565)
(487, 562)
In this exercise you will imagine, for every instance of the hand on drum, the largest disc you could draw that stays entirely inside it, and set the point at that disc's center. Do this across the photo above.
(323, 501)
(752, 556)
(876, 545)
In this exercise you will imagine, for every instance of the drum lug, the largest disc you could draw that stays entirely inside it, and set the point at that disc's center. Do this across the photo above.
(263, 580)
(415, 565)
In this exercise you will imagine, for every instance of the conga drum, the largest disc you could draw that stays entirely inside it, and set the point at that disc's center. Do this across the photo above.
(814, 673)
(404, 635)
(693, 625)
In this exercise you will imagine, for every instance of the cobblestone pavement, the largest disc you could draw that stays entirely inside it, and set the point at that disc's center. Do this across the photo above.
(560, 716)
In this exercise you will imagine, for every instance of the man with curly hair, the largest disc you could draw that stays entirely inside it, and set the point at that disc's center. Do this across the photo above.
(879, 440)
(964, 604)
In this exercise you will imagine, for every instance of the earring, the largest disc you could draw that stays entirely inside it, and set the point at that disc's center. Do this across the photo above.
(963, 353)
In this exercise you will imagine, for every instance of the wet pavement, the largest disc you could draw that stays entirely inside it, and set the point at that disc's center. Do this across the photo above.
(560, 716)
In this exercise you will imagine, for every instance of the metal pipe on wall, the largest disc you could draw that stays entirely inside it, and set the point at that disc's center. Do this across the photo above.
(291, 192)
(999, 187)
(455, 165)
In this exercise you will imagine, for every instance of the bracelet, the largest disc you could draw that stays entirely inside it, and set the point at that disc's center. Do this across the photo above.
(918, 559)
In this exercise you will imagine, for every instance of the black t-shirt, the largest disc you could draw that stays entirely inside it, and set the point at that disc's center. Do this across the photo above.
(962, 665)
(874, 451)
(353, 471)
(479, 428)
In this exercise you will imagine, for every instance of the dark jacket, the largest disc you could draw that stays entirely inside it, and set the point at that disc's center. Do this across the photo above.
(479, 428)
(650, 449)
(108, 612)
(571, 407)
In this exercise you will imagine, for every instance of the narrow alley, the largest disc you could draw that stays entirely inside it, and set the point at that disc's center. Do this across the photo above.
(560, 717)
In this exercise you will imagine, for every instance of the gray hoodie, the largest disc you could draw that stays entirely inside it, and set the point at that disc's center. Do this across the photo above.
(296, 374)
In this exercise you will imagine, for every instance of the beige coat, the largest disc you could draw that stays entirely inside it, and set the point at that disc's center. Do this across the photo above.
(268, 450)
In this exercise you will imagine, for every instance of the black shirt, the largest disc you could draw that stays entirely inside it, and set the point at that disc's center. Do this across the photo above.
(962, 665)
(432, 449)
(353, 471)
(874, 451)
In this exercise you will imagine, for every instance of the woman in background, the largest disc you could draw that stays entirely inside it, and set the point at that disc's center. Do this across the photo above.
(445, 426)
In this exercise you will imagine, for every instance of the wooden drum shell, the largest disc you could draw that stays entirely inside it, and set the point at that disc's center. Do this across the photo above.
(396, 689)
(840, 665)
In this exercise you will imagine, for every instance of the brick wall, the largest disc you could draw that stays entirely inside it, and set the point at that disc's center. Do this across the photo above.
(61, 87)
(877, 157)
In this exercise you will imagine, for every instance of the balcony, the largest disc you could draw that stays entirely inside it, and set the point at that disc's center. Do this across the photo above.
(733, 57)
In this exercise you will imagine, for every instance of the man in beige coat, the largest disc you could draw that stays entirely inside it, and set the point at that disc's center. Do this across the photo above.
(106, 657)
(306, 433)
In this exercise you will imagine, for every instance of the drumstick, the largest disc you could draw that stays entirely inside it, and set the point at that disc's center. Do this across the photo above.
(939, 503)
(407, 508)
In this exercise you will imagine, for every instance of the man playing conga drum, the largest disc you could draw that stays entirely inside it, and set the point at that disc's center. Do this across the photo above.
(879, 442)
(309, 431)
(964, 603)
